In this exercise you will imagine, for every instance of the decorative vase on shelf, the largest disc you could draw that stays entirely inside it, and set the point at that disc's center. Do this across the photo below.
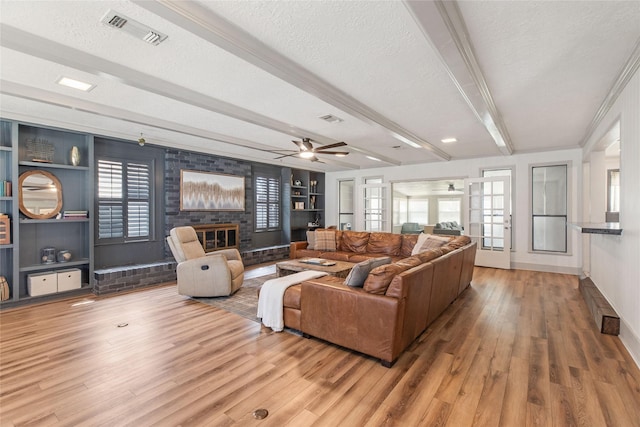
(48, 255)
(75, 156)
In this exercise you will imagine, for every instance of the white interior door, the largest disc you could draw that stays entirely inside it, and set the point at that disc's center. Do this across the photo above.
(488, 220)
(374, 204)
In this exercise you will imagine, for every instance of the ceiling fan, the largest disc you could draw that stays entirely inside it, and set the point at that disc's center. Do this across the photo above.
(306, 150)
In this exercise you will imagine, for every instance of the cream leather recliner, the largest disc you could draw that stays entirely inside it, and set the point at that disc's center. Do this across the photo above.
(201, 274)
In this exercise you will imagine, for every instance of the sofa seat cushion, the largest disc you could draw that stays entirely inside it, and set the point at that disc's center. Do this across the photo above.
(384, 243)
(307, 253)
(292, 297)
(336, 256)
(354, 241)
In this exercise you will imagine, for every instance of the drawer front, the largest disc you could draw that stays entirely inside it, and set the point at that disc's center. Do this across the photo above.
(42, 284)
(69, 279)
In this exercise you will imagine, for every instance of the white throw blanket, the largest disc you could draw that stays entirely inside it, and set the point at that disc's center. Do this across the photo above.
(271, 299)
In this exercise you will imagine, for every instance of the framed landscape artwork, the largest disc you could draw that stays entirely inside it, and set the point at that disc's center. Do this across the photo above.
(205, 191)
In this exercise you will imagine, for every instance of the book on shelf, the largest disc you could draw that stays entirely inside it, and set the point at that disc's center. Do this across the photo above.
(5, 189)
(75, 214)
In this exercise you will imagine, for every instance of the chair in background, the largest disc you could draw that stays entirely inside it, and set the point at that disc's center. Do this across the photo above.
(411, 228)
(201, 274)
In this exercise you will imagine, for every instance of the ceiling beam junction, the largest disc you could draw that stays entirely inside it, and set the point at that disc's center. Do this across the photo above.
(204, 23)
(443, 26)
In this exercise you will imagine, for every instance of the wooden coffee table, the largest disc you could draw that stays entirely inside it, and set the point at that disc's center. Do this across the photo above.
(339, 269)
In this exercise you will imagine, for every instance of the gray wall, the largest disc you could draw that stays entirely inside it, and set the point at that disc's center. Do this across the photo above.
(110, 255)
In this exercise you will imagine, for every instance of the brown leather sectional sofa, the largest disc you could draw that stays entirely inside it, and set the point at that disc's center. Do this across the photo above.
(398, 300)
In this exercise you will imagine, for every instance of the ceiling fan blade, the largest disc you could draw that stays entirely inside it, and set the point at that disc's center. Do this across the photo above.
(286, 155)
(326, 147)
(341, 153)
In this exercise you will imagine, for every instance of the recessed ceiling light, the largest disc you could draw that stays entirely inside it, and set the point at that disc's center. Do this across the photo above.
(373, 158)
(75, 84)
(341, 154)
(306, 154)
(448, 140)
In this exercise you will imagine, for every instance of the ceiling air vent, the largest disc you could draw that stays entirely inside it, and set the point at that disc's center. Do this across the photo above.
(140, 31)
(331, 118)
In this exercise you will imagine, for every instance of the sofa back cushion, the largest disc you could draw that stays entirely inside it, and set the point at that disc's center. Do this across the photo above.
(459, 241)
(379, 278)
(384, 243)
(360, 271)
(408, 242)
(430, 254)
(354, 241)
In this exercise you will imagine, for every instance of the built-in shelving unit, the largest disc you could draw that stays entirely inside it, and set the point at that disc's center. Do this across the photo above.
(307, 202)
(29, 236)
(8, 204)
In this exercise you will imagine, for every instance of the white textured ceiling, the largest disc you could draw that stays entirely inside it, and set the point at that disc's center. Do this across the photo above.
(243, 78)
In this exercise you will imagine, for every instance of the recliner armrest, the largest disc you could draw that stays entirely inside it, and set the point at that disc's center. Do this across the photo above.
(227, 253)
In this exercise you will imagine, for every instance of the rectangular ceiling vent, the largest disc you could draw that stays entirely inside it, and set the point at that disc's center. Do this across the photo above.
(331, 118)
(140, 31)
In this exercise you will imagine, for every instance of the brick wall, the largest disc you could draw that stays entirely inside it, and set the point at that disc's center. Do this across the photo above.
(129, 277)
(178, 160)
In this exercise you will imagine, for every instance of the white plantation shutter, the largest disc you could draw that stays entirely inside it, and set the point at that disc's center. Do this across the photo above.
(267, 204)
(120, 204)
(274, 203)
(138, 182)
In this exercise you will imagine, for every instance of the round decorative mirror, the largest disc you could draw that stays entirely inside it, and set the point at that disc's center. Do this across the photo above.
(40, 194)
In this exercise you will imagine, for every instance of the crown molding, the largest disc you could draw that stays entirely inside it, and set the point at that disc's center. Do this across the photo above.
(626, 73)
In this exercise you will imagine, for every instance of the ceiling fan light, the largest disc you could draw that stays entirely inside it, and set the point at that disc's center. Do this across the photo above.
(306, 154)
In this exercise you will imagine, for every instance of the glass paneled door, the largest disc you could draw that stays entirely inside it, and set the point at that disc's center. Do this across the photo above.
(488, 220)
(373, 202)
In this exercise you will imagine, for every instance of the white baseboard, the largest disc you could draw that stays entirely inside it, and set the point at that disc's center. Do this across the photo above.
(577, 271)
(630, 340)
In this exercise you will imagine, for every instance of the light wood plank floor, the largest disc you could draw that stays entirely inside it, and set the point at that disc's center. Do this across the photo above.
(518, 348)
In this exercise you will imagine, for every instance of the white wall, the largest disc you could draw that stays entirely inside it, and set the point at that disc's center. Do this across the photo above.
(614, 262)
(521, 257)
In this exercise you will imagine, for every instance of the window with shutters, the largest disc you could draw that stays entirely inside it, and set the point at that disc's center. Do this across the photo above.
(267, 203)
(124, 200)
